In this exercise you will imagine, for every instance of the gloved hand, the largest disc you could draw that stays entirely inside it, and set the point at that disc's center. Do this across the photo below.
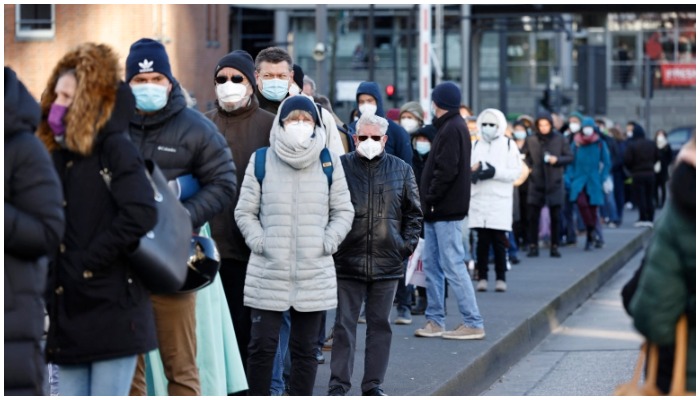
(475, 177)
(657, 167)
(488, 172)
(608, 186)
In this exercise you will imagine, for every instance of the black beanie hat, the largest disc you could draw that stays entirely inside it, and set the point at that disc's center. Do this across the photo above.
(447, 96)
(240, 60)
(299, 76)
(147, 55)
(298, 103)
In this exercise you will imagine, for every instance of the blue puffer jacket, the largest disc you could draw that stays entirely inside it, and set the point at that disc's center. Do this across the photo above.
(398, 144)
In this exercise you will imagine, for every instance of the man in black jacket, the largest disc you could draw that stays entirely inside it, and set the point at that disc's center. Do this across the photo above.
(34, 226)
(181, 141)
(445, 191)
(369, 262)
(640, 156)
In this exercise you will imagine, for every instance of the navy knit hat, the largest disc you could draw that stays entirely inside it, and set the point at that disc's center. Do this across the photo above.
(298, 103)
(147, 55)
(240, 60)
(447, 96)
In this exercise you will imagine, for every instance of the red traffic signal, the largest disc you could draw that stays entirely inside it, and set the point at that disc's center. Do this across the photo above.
(390, 90)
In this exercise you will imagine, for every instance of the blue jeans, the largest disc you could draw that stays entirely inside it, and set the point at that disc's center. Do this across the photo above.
(277, 383)
(465, 239)
(444, 259)
(609, 209)
(100, 378)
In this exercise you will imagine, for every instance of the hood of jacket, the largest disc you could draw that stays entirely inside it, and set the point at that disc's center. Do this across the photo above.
(22, 113)
(637, 131)
(427, 131)
(372, 89)
(502, 123)
(97, 71)
(543, 115)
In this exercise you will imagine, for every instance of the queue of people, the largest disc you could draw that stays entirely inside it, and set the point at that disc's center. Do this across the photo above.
(309, 214)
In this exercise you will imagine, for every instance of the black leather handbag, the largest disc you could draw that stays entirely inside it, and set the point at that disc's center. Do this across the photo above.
(161, 258)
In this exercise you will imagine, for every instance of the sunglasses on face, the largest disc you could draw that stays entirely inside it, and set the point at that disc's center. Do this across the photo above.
(362, 138)
(487, 124)
(223, 79)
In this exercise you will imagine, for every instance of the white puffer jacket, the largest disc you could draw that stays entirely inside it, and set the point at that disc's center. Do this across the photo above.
(491, 204)
(293, 226)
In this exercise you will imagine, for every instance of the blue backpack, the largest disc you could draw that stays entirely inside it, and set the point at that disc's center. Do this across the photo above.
(261, 154)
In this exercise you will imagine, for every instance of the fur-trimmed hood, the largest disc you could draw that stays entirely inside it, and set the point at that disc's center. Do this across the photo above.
(97, 71)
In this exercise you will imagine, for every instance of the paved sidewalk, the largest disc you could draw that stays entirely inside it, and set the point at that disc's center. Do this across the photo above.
(542, 292)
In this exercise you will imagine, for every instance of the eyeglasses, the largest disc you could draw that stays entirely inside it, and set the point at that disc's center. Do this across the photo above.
(362, 138)
(487, 124)
(221, 79)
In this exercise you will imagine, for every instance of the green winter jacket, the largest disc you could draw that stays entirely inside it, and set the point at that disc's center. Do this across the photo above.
(667, 284)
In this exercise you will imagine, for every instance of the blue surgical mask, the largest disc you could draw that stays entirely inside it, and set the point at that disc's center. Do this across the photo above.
(520, 135)
(422, 148)
(275, 89)
(150, 97)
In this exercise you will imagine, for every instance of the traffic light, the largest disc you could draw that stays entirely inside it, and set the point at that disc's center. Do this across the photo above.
(390, 92)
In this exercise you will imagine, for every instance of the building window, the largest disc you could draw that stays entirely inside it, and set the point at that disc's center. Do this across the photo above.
(35, 21)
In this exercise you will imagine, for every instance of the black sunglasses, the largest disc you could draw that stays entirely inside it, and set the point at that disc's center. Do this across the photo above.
(362, 138)
(223, 79)
(487, 124)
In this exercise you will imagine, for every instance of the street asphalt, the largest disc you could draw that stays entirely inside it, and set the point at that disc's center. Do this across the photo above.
(542, 292)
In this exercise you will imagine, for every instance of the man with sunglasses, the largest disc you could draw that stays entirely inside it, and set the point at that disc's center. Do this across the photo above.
(445, 194)
(369, 262)
(246, 127)
(181, 141)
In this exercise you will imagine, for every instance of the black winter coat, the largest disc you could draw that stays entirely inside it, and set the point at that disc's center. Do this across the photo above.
(387, 220)
(641, 154)
(445, 187)
(183, 141)
(99, 308)
(546, 181)
(34, 225)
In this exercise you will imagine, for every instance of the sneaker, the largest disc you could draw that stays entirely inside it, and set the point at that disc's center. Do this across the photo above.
(319, 356)
(464, 332)
(501, 286)
(508, 265)
(639, 224)
(328, 341)
(403, 317)
(648, 224)
(482, 285)
(534, 252)
(514, 260)
(612, 225)
(430, 329)
(336, 391)
(375, 391)
(554, 252)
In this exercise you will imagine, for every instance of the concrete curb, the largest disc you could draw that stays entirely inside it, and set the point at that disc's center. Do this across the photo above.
(485, 369)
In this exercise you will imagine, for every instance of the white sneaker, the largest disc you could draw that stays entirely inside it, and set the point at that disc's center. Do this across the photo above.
(507, 265)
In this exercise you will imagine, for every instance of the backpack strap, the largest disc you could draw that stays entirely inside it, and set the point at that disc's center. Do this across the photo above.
(260, 155)
(327, 165)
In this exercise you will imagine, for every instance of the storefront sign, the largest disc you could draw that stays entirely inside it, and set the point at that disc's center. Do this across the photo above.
(678, 74)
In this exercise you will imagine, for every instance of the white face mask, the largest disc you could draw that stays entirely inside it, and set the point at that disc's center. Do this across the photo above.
(630, 134)
(368, 109)
(661, 142)
(230, 92)
(587, 130)
(300, 133)
(370, 148)
(423, 148)
(574, 127)
(409, 124)
(489, 132)
(294, 90)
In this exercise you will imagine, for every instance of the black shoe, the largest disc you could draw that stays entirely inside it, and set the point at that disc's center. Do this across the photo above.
(534, 252)
(336, 391)
(554, 252)
(598, 244)
(514, 260)
(319, 356)
(375, 391)
(421, 305)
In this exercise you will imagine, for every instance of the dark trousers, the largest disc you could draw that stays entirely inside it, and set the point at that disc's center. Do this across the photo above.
(264, 337)
(403, 293)
(499, 241)
(589, 213)
(232, 275)
(659, 191)
(643, 189)
(534, 227)
(568, 221)
(619, 184)
(380, 295)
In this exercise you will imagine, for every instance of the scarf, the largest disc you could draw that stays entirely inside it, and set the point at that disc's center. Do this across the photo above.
(291, 153)
(582, 140)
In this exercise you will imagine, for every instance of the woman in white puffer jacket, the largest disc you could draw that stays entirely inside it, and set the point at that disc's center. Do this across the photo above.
(293, 222)
(495, 162)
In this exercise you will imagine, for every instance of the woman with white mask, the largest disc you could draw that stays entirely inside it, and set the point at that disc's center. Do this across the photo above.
(293, 217)
(411, 117)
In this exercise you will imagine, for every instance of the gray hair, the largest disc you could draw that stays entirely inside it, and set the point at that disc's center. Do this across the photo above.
(310, 82)
(372, 119)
